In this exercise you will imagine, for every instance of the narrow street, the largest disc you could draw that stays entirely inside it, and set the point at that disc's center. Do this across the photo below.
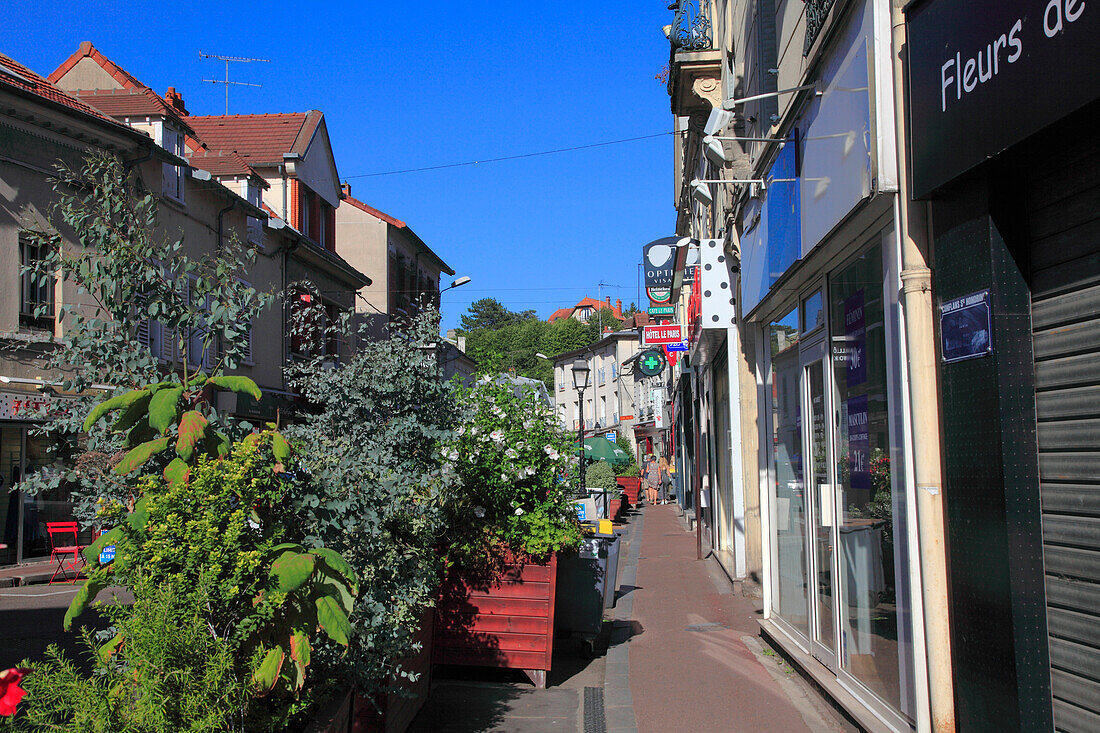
(676, 628)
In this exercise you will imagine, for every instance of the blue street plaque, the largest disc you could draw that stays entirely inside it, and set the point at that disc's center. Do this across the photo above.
(611, 436)
(678, 347)
(966, 327)
(107, 555)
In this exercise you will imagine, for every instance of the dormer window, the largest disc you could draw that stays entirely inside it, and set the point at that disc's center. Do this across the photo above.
(172, 183)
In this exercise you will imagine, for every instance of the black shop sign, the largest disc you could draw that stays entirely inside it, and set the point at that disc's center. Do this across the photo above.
(985, 74)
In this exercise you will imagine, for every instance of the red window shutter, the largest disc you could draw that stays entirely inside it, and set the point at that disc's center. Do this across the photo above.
(295, 214)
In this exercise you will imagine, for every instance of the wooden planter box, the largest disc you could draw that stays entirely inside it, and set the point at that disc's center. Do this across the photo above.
(632, 485)
(614, 506)
(508, 623)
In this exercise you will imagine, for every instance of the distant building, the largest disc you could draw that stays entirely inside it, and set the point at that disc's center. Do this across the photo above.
(405, 270)
(586, 308)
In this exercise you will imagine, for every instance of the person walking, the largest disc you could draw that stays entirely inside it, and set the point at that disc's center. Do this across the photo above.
(652, 479)
(664, 480)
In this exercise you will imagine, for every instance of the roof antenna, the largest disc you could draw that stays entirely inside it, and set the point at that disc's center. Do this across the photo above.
(226, 81)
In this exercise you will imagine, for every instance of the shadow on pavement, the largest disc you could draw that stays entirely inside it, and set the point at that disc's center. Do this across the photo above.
(31, 619)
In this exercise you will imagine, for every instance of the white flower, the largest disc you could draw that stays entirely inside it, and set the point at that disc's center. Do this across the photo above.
(452, 456)
(461, 429)
(497, 436)
(503, 477)
(511, 453)
(519, 511)
(479, 511)
(529, 471)
(553, 453)
(486, 379)
(474, 430)
(527, 424)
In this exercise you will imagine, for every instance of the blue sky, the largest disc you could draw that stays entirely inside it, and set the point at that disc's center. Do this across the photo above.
(414, 85)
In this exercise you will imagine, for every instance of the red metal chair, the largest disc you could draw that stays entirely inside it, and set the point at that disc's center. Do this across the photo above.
(67, 555)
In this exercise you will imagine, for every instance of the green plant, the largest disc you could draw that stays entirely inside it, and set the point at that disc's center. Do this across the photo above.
(631, 470)
(601, 476)
(373, 484)
(132, 277)
(511, 455)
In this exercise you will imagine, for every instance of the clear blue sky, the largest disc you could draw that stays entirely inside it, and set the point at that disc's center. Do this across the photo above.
(409, 85)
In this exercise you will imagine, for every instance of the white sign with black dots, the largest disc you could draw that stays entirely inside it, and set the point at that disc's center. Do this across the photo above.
(717, 306)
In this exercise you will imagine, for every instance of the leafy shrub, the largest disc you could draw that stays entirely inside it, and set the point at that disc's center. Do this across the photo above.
(218, 593)
(374, 486)
(600, 476)
(511, 454)
(631, 469)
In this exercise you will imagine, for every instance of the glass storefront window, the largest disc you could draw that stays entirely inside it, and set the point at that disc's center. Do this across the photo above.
(789, 562)
(870, 507)
(21, 453)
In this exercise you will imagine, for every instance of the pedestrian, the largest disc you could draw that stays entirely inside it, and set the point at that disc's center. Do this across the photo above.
(673, 481)
(652, 479)
(665, 480)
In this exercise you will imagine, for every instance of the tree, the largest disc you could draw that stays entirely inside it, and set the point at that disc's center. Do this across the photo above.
(488, 313)
(131, 275)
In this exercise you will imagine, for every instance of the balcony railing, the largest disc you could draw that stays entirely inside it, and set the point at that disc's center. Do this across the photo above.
(691, 26)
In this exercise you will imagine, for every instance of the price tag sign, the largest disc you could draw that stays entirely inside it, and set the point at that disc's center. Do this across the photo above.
(107, 555)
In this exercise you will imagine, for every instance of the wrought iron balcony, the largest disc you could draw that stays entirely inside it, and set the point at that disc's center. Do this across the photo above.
(691, 26)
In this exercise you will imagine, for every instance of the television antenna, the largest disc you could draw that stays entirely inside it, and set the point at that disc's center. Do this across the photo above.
(226, 81)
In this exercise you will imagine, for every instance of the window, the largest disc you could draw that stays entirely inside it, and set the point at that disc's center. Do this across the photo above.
(253, 195)
(200, 349)
(35, 291)
(172, 175)
(614, 370)
(332, 332)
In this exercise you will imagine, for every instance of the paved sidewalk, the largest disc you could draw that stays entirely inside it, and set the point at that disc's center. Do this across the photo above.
(695, 659)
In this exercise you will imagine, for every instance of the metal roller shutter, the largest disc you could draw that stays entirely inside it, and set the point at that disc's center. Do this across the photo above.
(1063, 213)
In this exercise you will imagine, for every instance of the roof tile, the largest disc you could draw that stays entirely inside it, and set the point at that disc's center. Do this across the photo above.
(260, 139)
(15, 74)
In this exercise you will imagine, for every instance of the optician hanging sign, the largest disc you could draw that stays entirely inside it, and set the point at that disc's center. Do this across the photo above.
(659, 265)
(985, 74)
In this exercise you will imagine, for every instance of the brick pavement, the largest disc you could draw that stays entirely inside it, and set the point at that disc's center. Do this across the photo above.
(690, 663)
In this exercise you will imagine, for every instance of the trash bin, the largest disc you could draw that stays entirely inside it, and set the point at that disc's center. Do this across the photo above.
(612, 543)
(579, 604)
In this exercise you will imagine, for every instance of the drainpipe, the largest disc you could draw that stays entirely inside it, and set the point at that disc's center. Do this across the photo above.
(920, 341)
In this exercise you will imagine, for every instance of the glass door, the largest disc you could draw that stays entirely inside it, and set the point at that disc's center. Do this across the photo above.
(821, 489)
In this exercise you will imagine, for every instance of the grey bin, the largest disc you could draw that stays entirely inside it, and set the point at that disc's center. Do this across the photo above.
(586, 585)
(602, 498)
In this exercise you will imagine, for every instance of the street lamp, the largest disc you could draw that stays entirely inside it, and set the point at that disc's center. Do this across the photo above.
(580, 383)
(456, 283)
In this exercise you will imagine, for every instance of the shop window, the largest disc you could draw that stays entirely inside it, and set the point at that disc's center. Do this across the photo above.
(872, 502)
(789, 563)
(813, 312)
(36, 308)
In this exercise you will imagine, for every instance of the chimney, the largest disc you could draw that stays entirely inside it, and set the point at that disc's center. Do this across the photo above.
(346, 188)
(618, 305)
(609, 302)
(175, 101)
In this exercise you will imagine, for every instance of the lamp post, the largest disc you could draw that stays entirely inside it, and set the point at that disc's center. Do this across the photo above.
(457, 283)
(580, 383)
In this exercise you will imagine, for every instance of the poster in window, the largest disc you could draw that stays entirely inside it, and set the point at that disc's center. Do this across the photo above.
(859, 443)
(855, 336)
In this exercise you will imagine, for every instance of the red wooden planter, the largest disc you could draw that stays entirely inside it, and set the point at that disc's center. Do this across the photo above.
(632, 485)
(614, 506)
(508, 623)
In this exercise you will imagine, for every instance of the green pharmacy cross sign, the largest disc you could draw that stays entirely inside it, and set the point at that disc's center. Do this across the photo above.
(651, 362)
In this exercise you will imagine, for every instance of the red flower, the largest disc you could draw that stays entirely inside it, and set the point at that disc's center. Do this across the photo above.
(10, 691)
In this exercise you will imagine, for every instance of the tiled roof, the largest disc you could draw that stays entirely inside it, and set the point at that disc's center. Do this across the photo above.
(224, 164)
(15, 74)
(132, 102)
(374, 212)
(87, 50)
(559, 313)
(260, 139)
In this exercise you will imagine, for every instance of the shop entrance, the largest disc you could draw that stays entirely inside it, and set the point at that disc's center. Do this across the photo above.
(821, 487)
(23, 516)
(839, 563)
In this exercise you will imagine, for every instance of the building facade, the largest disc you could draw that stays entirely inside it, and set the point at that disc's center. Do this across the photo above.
(611, 401)
(102, 108)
